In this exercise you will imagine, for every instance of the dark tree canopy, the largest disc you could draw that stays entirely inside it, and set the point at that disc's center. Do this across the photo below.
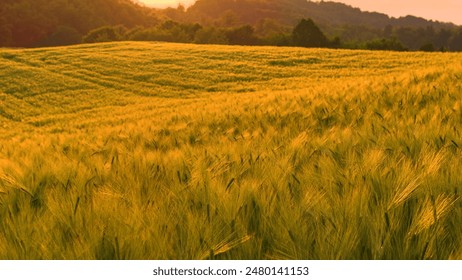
(243, 35)
(30, 23)
(307, 34)
(105, 34)
(63, 36)
(35, 23)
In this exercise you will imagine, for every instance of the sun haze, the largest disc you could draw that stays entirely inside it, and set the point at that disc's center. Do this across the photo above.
(166, 3)
(441, 10)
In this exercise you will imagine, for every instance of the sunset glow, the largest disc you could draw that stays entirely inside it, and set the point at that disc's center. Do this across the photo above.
(166, 3)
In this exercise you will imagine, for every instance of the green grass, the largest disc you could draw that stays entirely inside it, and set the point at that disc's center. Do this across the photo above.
(172, 151)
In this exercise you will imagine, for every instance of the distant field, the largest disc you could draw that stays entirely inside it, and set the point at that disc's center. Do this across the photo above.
(173, 151)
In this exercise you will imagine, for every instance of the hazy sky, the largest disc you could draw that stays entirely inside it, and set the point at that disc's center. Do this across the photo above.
(442, 10)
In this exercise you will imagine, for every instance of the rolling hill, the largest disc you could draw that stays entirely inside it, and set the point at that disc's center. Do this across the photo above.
(326, 13)
(32, 23)
(174, 151)
(335, 19)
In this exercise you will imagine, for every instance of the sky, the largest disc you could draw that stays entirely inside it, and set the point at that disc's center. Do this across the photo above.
(441, 10)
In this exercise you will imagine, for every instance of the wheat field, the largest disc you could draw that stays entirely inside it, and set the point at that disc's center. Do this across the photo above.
(174, 151)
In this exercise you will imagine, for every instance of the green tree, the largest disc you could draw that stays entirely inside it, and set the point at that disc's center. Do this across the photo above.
(30, 23)
(428, 47)
(243, 35)
(280, 39)
(442, 39)
(211, 35)
(455, 43)
(105, 34)
(336, 43)
(307, 34)
(392, 44)
(63, 36)
(6, 37)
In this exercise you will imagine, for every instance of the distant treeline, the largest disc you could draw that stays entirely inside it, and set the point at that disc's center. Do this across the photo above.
(305, 34)
(353, 27)
(27, 23)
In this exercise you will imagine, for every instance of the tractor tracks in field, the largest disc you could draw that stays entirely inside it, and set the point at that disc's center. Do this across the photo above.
(81, 77)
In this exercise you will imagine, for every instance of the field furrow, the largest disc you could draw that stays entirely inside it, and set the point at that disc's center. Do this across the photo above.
(174, 151)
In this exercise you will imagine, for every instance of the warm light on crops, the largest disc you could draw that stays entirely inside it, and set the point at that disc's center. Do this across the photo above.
(172, 151)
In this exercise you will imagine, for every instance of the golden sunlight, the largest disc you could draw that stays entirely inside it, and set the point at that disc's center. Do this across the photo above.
(166, 3)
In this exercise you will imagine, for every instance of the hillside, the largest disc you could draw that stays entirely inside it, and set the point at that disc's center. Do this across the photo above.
(288, 12)
(349, 24)
(31, 23)
(177, 151)
(35, 23)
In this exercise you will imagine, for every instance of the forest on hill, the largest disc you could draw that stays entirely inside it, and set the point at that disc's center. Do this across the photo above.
(327, 14)
(31, 23)
(354, 27)
(34, 23)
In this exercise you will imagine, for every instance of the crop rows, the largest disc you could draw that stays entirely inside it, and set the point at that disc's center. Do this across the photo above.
(171, 151)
